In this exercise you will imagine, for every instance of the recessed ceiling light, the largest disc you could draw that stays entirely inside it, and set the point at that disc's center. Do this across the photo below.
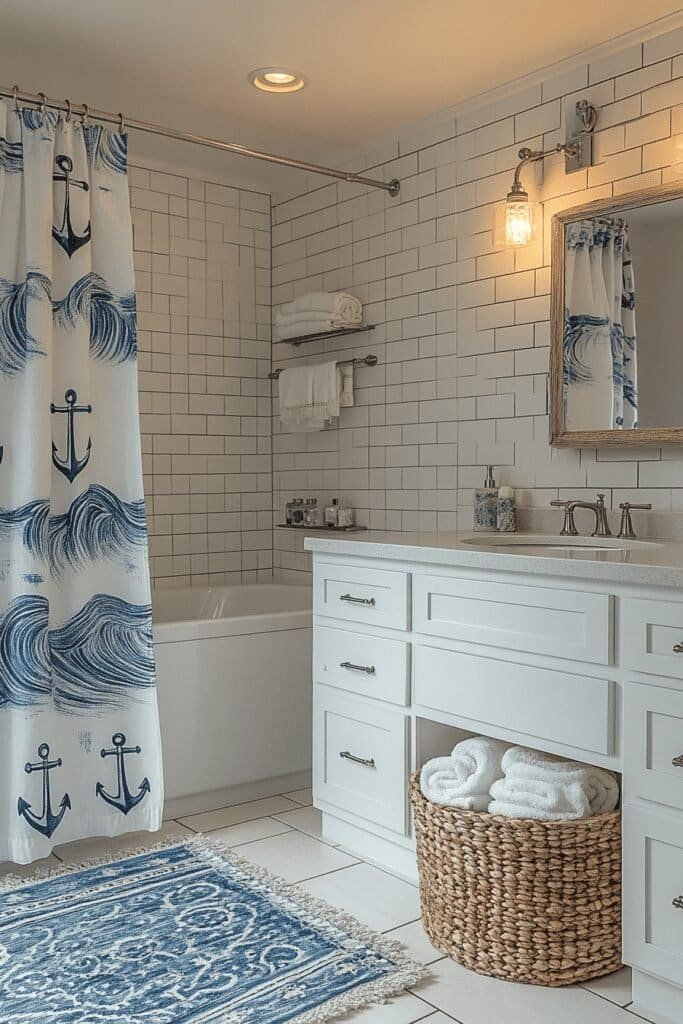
(276, 79)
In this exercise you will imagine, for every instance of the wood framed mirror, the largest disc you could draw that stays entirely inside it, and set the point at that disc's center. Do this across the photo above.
(616, 332)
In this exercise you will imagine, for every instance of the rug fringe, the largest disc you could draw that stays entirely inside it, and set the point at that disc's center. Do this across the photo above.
(408, 973)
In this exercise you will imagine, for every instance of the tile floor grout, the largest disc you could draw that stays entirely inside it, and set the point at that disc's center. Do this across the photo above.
(612, 1006)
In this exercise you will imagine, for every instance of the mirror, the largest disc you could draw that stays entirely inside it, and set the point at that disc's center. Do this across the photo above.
(616, 357)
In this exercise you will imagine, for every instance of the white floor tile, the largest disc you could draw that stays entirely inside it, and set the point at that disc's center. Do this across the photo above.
(306, 819)
(105, 846)
(301, 796)
(474, 999)
(26, 870)
(249, 831)
(405, 1009)
(379, 900)
(615, 987)
(209, 820)
(415, 942)
(295, 856)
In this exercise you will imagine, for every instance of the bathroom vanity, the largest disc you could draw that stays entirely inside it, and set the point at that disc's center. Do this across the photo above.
(420, 640)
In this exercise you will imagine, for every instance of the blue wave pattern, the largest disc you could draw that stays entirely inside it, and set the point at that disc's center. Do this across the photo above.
(97, 525)
(106, 149)
(102, 655)
(11, 156)
(97, 661)
(24, 656)
(113, 333)
(17, 345)
(581, 332)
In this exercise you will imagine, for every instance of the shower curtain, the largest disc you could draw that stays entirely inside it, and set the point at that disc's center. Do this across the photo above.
(80, 751)
(600, 352)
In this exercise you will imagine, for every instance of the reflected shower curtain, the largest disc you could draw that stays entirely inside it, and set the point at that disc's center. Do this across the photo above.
(600, 357)
(80, 751)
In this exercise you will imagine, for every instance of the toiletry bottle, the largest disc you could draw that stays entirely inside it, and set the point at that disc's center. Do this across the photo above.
(485, 500)
(506, 513)
(332, 513)
(344, 516)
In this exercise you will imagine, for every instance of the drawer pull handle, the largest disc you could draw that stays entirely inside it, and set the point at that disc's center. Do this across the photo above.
(677, 903)
(369, 601)
(677, 762)
(678, 648)
(369, 669)
(368, 762)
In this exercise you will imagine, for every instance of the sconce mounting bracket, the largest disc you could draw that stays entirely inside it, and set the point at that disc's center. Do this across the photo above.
(578, 150)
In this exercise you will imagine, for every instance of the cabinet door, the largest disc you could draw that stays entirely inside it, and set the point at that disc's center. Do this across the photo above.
(570, 709)
(653, 892)
(651, 633)
(653, 739)
(540, 620)
(378, 597)
(371, 666)
(361, 759)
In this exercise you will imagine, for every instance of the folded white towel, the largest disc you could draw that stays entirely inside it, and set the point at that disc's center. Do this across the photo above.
(338, 305)
(463, 779)
(309, 396)
(543, 786)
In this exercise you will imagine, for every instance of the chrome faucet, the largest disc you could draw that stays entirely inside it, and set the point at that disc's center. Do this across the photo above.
(626, 527)
(569, 526)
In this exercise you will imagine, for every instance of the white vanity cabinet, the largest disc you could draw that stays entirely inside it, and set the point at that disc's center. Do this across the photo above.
(411, 656)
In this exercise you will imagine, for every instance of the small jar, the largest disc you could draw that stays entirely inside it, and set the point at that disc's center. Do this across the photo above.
(345, 517)
(312, 515)
(506, 513)
(332, 514)
(297, 512)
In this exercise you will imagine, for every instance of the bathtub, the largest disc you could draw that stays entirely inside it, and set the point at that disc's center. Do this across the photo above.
(234, 689)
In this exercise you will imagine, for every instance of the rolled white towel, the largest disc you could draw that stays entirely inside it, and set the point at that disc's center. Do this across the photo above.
(339, 305)
(599, 785)
(464, 779)
(541, 799)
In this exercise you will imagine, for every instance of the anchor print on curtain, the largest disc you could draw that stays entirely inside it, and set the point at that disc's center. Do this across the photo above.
(80, 751)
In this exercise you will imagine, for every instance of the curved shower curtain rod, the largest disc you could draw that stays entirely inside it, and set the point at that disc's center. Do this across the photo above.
(83, 110)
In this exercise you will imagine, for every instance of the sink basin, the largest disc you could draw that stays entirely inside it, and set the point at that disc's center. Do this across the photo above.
(545, 542)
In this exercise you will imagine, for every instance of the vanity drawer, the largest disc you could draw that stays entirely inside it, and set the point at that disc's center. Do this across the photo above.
(537, 702)
(538, 620)
(378, 597)
(650, 632)
(361, 759)
(653, 735)
(372, 666)
(653, 888)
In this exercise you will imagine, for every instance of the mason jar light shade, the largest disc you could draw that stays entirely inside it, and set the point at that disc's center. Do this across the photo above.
(516, 223)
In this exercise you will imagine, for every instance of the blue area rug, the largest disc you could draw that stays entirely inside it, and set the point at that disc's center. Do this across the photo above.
(186, 933)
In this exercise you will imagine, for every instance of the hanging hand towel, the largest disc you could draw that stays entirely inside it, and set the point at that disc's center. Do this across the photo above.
(464, 779)
(309, 396)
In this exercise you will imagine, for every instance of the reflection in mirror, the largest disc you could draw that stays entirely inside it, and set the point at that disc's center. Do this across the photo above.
(617, 357)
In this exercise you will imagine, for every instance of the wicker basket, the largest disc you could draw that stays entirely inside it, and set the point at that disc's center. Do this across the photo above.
(523, 900)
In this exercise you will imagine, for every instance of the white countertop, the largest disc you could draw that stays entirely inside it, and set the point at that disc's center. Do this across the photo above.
(646, 563)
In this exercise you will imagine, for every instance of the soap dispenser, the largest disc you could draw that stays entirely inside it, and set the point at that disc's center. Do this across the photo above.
(485, 505)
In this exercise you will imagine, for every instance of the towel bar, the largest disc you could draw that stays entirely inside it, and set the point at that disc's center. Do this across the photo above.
(365, 361)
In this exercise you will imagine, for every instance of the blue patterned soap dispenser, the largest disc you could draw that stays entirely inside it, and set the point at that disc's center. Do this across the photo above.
(485, 502)
(506, 513)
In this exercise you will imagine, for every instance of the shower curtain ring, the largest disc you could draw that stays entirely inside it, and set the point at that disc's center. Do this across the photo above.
(122, 124)
(43, 102)
(15, 95)
(67, 119)
(84, 116)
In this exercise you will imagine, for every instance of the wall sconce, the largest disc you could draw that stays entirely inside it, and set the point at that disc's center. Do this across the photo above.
(517, 219)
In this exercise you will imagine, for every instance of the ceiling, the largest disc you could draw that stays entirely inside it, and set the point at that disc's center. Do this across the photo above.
(372, 65)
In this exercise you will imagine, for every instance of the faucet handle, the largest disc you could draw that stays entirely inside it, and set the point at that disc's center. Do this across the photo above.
(626, 530)
(569, 526)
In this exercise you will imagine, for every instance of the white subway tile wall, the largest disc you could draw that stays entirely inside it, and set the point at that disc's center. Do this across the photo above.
(430, 417)
(202, 261)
